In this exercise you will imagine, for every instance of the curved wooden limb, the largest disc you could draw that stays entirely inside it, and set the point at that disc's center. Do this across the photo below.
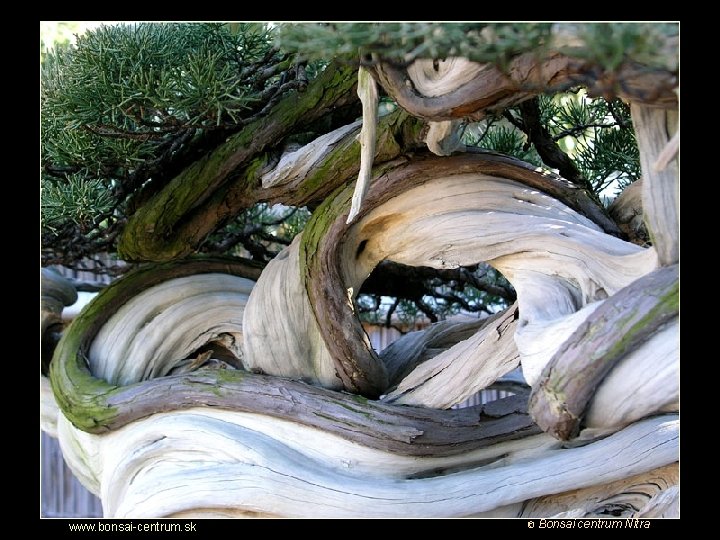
(216, 459)
(368, 93)
(81, 395)
(428, 212)
(402, 356)
(464, 369)
(56, 292)
(142, 305)
(458, 88)
(617, 327)
(176, 220)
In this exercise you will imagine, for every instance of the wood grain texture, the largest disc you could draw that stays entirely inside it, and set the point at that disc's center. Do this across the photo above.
(631, 497)
(465, 368)
(427, 212)
(215, 459)
(464, 89)
(654, 129)
(619, 326)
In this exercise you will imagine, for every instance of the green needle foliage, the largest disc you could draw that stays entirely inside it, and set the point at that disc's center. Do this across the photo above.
(404, 42)
(595, 133)
(606, 44)
(129, 104)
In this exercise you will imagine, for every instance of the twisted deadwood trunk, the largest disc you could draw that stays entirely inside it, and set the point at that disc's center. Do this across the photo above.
(177, 387)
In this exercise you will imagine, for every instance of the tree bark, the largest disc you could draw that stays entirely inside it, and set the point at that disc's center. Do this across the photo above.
(661, 181)
(178, 218)
(329, 244)
(472, 90)
(153, 415)
(619, 326)
(464, 369)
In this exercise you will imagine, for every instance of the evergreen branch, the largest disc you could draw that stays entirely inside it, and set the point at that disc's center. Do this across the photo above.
(113, 132)
(619, 120)
(551, 154)
(577, 130)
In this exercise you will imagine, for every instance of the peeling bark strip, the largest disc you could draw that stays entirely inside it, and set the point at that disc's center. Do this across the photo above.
(321, 255)
(492, 89)
(617, 327)
(368, 93)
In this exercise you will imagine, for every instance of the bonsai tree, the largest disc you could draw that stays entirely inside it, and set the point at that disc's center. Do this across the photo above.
(263, 190)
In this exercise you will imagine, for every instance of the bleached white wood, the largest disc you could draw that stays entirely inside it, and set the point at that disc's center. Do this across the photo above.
(628, 497)
(557, 260)
(48, 408)
(463, 370)
(433, 78)
(294, 166)
(444, 138)
(404, 354)
(665, 504)
(627, 210)
(208, 459)
(655, 129)
(281, 335)
(161, 327)
(561, 264)
(368, 93)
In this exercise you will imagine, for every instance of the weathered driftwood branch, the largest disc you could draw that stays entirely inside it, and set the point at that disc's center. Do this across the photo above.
(368, 93)
(402, 356)
(215, 459)
(464, 369)
(627, 211)
(618, 327)
(83, 397)
(458, 88)
(397, 222)
(635, 496)
(139, 303)
(137, 413)
(558, 260)
(170, 326)
(661, 185)
(664, 504)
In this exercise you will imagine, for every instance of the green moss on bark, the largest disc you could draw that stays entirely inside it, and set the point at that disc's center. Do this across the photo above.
(175, 220)
(86, 400)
